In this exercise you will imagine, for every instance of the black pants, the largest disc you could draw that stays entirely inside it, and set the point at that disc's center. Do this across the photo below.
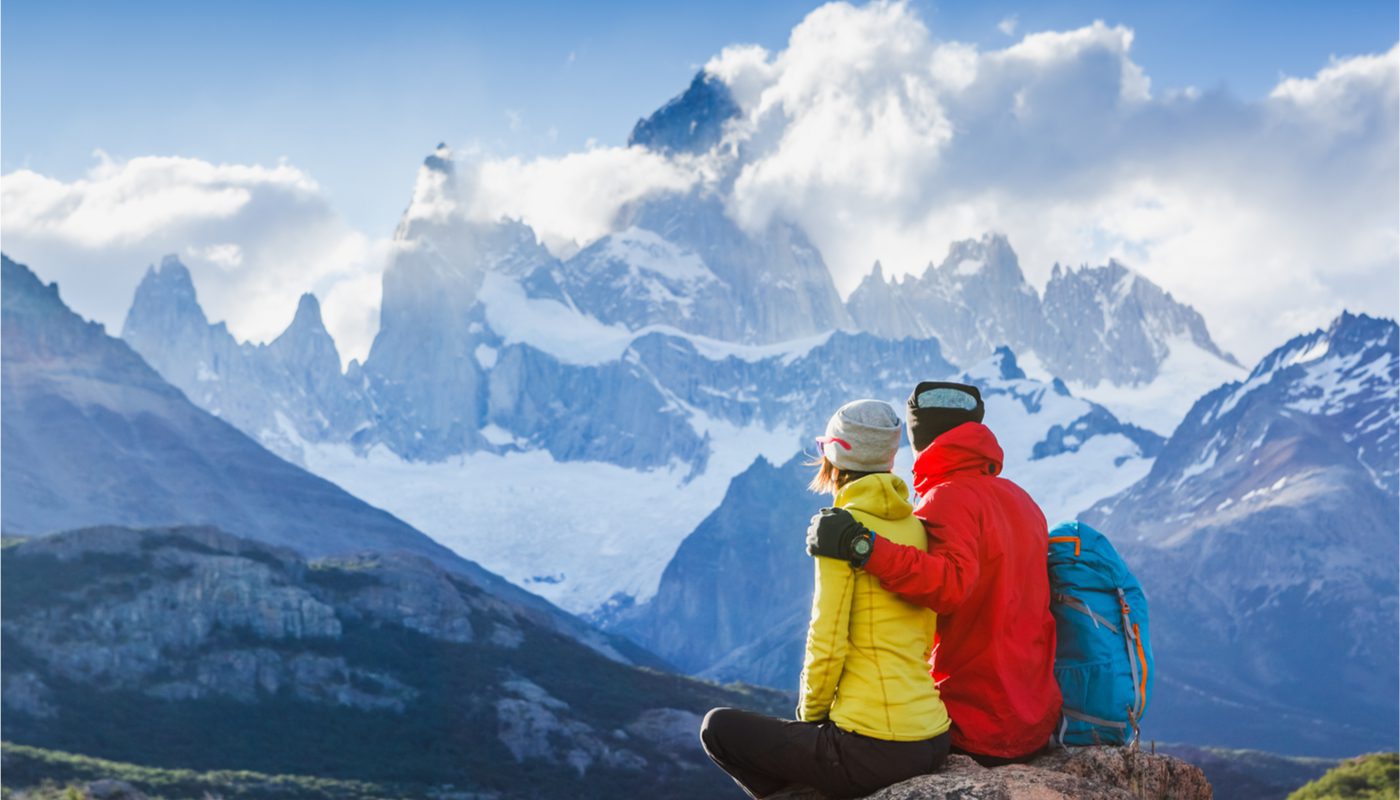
(764, 755)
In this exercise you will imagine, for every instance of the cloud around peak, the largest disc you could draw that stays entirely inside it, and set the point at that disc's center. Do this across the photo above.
(255, 238)
(886, 143)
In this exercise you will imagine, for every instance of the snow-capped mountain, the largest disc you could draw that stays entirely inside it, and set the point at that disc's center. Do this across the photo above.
(501, 394)
(1267, 530)
(680, 261)
(1064, 450)
(507, 388)
(1107, 331)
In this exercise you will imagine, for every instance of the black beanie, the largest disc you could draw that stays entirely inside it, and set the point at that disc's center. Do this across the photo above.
(927, 424)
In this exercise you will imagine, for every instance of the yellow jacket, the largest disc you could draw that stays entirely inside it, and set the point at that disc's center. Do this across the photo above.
(866, 666)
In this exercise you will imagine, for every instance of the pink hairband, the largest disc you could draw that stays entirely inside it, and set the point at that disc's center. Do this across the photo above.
(824, 440)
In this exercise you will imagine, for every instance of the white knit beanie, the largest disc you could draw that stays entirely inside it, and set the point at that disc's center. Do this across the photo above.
(862, 436)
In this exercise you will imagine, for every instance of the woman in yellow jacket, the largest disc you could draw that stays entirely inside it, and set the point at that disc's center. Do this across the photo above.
(868, 713)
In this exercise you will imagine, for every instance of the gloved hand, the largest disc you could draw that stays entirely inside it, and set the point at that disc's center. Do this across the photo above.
(834, 533)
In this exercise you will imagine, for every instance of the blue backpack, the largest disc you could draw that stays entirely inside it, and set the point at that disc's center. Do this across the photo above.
(1103, 659)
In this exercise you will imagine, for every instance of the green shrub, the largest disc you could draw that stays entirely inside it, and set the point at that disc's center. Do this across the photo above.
(1368, 777)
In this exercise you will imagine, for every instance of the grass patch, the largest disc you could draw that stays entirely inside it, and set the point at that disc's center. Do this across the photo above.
(44, 774)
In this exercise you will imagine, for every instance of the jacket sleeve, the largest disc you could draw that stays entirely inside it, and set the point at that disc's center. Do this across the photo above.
(827, 638)
(942, 578)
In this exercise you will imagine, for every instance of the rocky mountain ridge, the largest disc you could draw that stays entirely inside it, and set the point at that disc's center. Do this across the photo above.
(1094, 324)
(187, 647)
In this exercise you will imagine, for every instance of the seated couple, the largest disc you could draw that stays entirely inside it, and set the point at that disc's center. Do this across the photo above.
(956, 585)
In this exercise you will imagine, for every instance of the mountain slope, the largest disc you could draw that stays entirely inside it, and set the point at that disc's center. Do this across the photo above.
(1265, 535)
(187, 647)
(92, 435)
(751, 547)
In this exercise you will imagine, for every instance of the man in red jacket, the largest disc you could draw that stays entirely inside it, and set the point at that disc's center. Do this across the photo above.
(984, 573)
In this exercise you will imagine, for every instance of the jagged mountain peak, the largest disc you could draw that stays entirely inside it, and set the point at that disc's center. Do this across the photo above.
(308, 312)
(1112, 283)
(171, 278)
(991, 255)
(1347, 335)
(691, 122)
(165, 300)
(306, 342)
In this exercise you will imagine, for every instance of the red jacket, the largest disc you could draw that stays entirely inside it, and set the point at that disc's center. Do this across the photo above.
(985, 575)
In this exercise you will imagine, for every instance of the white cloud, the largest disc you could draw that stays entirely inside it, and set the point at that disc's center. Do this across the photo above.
(253, 237)
(569, 200)
(1008, 24)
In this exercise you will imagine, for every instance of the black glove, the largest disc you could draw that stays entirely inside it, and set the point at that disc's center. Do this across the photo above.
(834, 533)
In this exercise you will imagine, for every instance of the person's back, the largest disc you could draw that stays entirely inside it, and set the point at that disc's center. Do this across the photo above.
(868, 712)
(867, 649)
(997, 634)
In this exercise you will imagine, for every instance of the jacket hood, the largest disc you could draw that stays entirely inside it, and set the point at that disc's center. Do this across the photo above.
(970, 448)
(883, 495)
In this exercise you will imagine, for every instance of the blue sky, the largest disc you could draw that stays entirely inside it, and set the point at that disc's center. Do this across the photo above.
(356, 93)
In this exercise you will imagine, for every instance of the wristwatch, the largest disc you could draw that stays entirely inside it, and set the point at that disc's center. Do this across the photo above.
(860, 549)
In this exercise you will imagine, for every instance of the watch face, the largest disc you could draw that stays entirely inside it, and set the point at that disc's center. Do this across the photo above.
(861, 546)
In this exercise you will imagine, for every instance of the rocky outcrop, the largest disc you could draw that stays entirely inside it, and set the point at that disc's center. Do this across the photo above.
(164, 646)
(1079, 773)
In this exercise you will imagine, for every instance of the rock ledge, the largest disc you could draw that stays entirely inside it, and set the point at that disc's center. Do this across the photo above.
(1076, 773)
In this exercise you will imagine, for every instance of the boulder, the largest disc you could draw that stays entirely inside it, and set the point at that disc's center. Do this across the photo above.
(1076, 773)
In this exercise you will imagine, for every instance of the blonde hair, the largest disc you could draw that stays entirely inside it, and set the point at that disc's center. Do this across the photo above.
(830, 478)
